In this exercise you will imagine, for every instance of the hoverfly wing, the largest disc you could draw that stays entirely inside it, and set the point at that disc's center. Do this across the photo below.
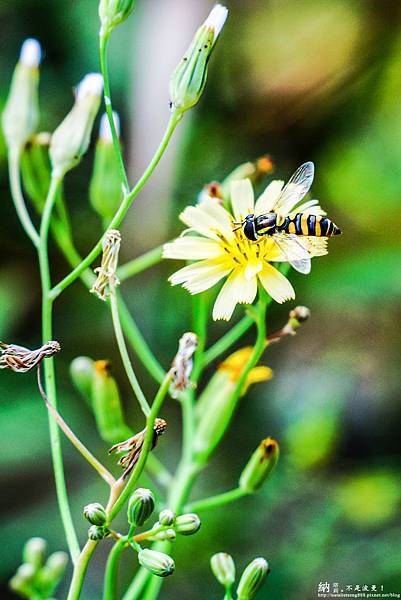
(294, 252)
(296, 188)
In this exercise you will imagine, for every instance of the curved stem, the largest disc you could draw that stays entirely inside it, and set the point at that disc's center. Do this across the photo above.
(80, 570)
(76, 442)
(213, 501)
(124, 353)
(47, 334)
(139, 264)
(227, 340)
(125, 204)
(18, 198)
(103, 44)
(146, 448)
(111, 573)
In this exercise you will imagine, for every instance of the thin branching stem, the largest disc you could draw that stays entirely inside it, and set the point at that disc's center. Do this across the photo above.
(141, 263)
(18, 198)
(124, 353)
(217, 500)
(76, 442)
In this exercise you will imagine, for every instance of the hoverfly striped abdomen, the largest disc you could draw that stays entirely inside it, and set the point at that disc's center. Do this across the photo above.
(311, 225)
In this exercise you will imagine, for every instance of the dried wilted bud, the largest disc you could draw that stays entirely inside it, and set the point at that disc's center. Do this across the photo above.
(21, 360)
(132, 447)
(296, 317)
(211, 190)
(183, 363)
(106, 273)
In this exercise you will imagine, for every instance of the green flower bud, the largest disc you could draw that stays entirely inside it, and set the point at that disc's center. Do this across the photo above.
(189, 78)
(105, 191)
(71, 139)
(158, 563)
(23, 579)
(95, 513)
(35, 169)
(106, 404)
(259, 466)
(34, 552)
(252, 579)
(82, 370)
(167, 534)
(52, 573)
(187, 524)
(21, 113)
(113, 12)
(97, 533)
(140, 507)
(166, 517)
(223, 567)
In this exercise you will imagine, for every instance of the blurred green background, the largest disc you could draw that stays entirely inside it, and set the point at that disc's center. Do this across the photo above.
(302, 80)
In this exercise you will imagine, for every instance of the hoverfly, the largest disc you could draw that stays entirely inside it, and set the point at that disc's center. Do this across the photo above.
(286, 229)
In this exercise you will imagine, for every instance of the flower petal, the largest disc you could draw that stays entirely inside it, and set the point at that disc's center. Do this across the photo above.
(192, 248)
(200, 221)
(242, 198)
(275, 284)
(220, 216)
(236, 290)
(266, 201)
(201, 275)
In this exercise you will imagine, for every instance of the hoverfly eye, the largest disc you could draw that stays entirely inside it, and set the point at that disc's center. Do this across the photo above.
(249, 231)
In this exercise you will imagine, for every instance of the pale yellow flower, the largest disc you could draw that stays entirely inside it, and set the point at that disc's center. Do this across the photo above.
(222, 252)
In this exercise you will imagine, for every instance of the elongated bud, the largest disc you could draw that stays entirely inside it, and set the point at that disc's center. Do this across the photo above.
(95, 513)
(252, 579)
(82, 371)
(105, 191)
(22, 581)
(53, 571)
(140, 507)
(21, 114)
(35, 169)
(166, 517)
(71, 139)
(162, 536)
(189, 78)
(259, 466)
(223, 567)
(106, 404)
(218, 401)
(34, 552)
(113, 12)
(97, 533)
(158, 563)
(187, 524)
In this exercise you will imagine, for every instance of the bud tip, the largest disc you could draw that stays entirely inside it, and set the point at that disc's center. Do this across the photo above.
(105, 129)
(31, 53)
(216, 19)
(91, 85)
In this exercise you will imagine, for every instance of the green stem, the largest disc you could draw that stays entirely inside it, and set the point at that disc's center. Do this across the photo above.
(18, 198)
(227, 340)
(213, 501)
(139, 264)
(50, 383)
(80, 570)
(125, 204)
(103, 44)
(146, 448)
(124, 353)
(76, 442)
(110, 591)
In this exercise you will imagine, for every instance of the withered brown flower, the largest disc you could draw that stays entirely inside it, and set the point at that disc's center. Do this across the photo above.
(21, 360)
(182, 364)
(133, 446)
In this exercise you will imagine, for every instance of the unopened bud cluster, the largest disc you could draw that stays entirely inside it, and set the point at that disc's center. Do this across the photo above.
(38, 577)
(158, 563)
(140, 507)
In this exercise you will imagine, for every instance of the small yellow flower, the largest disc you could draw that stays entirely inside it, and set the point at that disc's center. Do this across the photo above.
(220, 251)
